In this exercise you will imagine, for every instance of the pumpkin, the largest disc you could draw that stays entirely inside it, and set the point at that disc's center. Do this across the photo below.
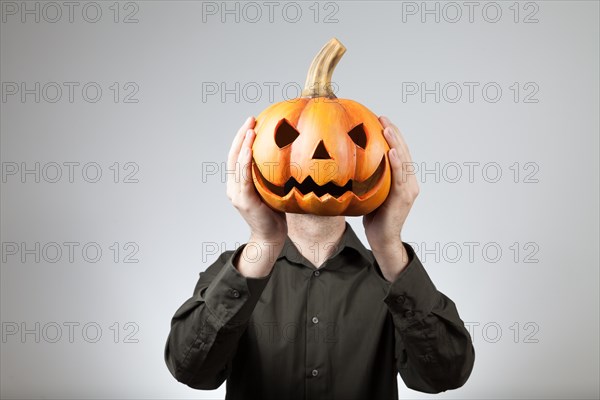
(318, 154)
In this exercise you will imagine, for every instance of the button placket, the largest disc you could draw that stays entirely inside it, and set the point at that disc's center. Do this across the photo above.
(316, 346)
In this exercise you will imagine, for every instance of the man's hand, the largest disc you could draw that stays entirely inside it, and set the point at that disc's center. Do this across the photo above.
(268, 228)
(383, 226)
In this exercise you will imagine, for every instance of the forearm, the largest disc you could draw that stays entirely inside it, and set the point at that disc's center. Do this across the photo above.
(191, 338)
(392, 259)
(205, 330)
(258, 257)
(435, 352)
(434, 349)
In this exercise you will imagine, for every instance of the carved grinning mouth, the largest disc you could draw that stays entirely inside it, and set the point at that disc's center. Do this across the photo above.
(308, 185)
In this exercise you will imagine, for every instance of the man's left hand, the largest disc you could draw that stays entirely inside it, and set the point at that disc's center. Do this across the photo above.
(383, 226)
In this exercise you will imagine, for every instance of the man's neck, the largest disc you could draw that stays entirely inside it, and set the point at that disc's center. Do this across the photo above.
(315, 236)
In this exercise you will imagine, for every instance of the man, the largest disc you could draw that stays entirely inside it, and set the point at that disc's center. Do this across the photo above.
(304, 311)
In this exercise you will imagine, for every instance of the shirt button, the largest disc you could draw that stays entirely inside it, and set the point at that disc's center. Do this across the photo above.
(317, 273)
(409, 314)
(235, 293)
(315, 372)
(400, 299)
(315, 320)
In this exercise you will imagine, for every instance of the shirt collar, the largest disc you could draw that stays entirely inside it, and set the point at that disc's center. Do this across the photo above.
(348, 240)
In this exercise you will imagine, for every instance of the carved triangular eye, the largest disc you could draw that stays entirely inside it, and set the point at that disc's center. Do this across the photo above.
(358, 136)
(285, 134)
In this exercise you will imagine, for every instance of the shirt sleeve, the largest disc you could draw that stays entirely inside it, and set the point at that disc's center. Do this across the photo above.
(434, 350)
(206, 328)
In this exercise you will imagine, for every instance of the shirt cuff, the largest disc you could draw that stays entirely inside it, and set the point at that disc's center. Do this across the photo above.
(232, 297)
(412, 296)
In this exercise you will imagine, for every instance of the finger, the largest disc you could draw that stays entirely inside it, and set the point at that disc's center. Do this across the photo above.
(394, 142)
(233, 182)
(390, 128)
(401, 151)
(237, 141)
(387, 123)
(395, 139)
(403, 165)
(403, 172)
(245, 163)
(403, 168)
(396, 164)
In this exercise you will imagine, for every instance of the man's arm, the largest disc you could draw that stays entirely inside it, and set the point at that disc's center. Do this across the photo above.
(434, 351)
(206, 329)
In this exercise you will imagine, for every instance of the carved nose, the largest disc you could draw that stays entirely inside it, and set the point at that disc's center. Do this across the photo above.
(321, 152)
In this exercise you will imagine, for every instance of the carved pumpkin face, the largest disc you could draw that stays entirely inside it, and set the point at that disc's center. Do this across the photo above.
(321, 155)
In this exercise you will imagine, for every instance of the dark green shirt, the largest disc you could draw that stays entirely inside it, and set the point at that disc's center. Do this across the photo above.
(341, 331)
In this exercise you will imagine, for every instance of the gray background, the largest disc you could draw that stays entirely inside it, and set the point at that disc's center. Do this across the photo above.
(532, 309)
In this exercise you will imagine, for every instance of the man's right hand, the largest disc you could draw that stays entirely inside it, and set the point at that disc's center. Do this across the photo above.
(268, 228)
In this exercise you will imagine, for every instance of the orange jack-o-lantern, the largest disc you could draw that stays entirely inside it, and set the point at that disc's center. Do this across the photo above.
(318, 154)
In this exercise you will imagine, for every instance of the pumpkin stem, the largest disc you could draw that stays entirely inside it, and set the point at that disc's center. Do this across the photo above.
(318, 80)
